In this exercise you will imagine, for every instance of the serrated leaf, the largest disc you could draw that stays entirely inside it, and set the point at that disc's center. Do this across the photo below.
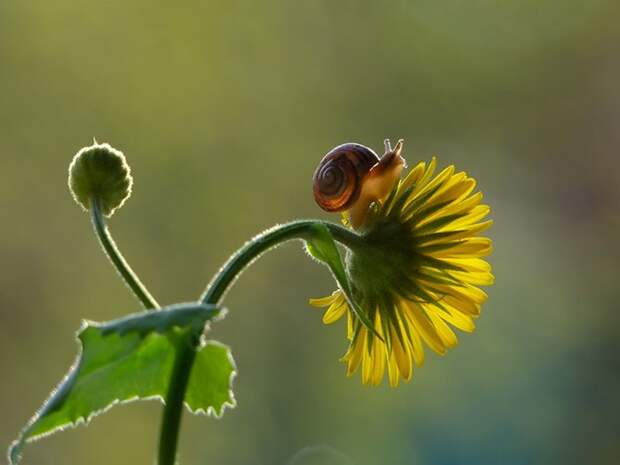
(321, 246)
(210, 385)
(132, 358)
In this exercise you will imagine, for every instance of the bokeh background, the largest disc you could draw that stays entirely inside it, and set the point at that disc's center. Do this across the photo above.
(223, 110)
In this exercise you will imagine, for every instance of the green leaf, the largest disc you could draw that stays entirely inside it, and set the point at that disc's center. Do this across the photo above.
(132, 358)
(321, 246)
(210, 384)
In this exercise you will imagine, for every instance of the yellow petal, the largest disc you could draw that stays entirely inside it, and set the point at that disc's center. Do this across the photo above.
(349, 325)
(472, 247)
(456, 318)
(393, 372)
(476, 214)
(406, 328)
(355, 352)
(423, 325)
(367, 365)
(402, 356)
(443, 330)
(451, 191)
(417, 348)
(454, 234)
(334, 312)
(457, 208)
(428, 173)
(326, 301)
(465, 293)
(472, 277)
(440, 179)
(471, 264)
(457, 188)
(377, 353)
(413, 176)
(379, 356)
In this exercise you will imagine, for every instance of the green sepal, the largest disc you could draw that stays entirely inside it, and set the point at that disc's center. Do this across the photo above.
(321, 246)
(132, 358)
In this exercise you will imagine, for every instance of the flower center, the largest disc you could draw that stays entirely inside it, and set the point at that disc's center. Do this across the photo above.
(382, 267)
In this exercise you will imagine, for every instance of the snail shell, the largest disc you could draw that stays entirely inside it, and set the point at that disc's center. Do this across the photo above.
(337, 181)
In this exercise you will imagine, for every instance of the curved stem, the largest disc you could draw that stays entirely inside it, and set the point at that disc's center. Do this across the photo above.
(263, 242)
(216, 289)
(117, 259)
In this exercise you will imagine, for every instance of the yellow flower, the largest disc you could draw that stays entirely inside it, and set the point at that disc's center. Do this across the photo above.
(417, 272)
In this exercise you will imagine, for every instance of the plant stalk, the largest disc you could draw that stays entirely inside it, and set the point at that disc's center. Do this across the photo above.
(258, 245)
(169, 434)
(214, 293)
(117, 259)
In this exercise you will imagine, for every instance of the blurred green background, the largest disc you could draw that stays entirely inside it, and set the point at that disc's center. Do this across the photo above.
(223, 110)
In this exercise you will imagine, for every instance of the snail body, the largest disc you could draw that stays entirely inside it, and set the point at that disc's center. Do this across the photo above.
(351, 176)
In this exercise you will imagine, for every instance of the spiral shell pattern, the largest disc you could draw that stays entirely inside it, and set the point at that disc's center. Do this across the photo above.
(337, 180)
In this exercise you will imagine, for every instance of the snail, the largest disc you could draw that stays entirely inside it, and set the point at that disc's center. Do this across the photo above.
(352, 176)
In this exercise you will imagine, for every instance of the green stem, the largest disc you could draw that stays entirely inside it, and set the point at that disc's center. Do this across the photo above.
(216, 289)
(263, 242)
(169, 434)
(117, 259)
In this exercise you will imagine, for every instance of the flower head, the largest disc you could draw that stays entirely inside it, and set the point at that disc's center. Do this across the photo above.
(100, 171)
(415, 272)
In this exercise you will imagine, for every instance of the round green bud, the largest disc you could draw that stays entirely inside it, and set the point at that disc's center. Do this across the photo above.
(100, 172)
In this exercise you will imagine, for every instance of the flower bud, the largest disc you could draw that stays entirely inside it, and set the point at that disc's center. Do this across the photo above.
(100, 172)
